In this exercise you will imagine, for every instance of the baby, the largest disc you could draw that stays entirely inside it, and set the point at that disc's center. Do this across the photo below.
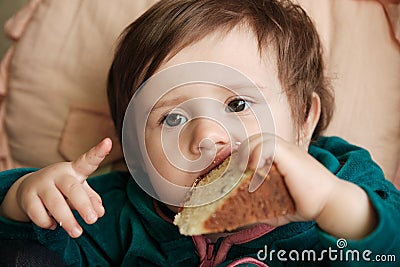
(274, 102)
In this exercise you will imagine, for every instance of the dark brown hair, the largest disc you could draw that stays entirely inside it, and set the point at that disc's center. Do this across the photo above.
(171, 25)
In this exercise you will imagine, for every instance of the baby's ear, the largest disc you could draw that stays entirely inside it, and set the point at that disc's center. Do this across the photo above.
(307, 129)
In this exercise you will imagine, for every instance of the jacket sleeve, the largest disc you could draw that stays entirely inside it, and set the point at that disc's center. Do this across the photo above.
(11, 229)
(100, 243)
(381, 247)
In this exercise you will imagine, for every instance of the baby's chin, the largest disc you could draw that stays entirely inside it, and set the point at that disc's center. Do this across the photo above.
(171, 192)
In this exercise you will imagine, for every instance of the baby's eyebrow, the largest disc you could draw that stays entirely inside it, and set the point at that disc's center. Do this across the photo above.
(168, 103)
(244, 87)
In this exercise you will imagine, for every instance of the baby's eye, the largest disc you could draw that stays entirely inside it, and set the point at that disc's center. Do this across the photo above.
(174, 119)
(237, 105)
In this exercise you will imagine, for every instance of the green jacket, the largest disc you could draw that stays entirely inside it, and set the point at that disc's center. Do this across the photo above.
(132, 232)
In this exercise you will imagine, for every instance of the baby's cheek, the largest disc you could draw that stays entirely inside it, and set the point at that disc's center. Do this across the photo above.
(287, 133)
(284, 125)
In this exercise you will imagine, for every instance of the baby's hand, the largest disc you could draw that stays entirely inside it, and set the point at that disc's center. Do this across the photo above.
(47, 196)
(339, 207)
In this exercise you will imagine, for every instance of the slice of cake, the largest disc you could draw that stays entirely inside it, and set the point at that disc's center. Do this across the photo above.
(236, 206)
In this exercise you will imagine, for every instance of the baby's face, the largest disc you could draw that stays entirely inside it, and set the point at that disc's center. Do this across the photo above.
(183, 121)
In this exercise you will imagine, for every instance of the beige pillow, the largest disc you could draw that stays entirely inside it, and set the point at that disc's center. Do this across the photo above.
(61, 63)
(363, 60)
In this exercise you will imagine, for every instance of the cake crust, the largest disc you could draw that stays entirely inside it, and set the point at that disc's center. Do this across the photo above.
(239, 207)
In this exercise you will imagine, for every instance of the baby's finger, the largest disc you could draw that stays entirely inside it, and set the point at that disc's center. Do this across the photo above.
(95, 199)
(37, 213)
(73, 190)
(58, 207)
(258, 152)
(71, 206)
(87, 163)
(262, 151)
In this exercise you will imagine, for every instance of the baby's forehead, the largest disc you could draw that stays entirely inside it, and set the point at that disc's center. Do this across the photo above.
(238, 44)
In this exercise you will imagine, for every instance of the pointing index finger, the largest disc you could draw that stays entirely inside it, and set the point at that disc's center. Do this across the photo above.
(88, 162)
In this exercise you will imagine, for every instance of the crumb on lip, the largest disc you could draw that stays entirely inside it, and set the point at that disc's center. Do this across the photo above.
(201, 177)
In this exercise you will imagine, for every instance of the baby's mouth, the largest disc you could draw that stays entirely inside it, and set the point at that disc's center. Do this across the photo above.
(222, 154)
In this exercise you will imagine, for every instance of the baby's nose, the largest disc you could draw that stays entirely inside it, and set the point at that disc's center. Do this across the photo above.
(206, 136)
